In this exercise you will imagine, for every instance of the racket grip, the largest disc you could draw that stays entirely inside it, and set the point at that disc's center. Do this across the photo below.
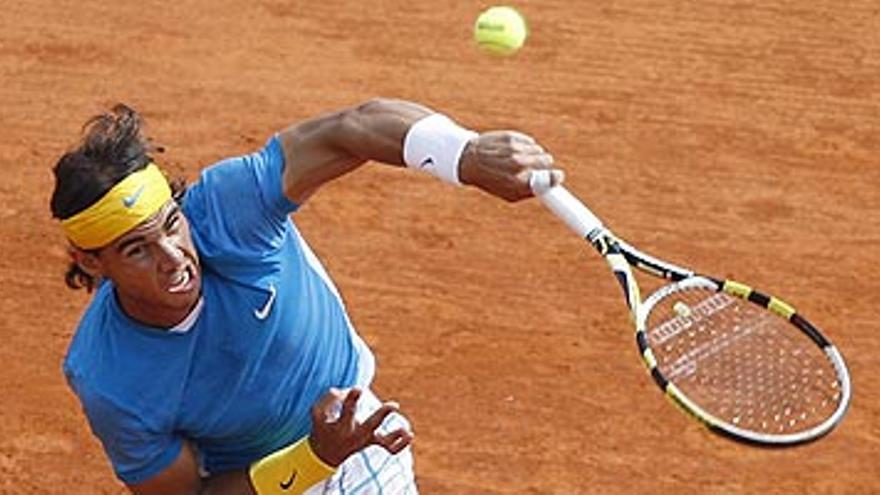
(564, 205)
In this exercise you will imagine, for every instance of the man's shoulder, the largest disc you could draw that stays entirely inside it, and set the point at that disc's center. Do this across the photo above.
(88, 330)
(107, 346)
(113, 366)
(228, 172)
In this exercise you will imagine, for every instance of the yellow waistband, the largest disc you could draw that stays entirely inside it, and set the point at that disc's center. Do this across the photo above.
(128, 203)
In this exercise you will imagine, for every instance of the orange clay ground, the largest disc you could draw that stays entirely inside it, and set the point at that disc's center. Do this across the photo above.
(738, 137)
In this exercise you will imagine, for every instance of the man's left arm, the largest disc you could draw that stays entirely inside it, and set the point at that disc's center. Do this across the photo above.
(321, 149)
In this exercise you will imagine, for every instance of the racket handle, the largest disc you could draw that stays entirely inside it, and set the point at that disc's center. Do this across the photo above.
(564, 205)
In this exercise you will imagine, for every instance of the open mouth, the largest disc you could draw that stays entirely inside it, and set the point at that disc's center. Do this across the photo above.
(182, 281)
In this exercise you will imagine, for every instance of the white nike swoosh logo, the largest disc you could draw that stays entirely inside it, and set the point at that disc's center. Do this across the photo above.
(263, 313)
(129, 201)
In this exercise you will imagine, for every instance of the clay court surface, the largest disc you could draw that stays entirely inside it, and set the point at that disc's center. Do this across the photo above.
(739, 137)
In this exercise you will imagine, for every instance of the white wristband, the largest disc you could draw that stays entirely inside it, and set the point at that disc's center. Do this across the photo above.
(434, 145)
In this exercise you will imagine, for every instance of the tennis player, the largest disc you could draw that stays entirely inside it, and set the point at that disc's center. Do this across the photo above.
(216, 355)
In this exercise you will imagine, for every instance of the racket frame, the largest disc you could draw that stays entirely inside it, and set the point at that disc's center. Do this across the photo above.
(621, 256)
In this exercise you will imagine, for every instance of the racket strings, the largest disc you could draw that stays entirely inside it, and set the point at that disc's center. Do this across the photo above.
(742, 363)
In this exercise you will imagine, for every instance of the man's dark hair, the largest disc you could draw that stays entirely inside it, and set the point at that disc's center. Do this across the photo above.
(112, 147)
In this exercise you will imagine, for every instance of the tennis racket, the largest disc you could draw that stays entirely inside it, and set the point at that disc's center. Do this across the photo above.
(743, 363)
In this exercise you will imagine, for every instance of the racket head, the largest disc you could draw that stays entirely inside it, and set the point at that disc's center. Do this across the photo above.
(746, 365)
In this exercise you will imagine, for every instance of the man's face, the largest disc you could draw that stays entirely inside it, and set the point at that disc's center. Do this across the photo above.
(155, 268)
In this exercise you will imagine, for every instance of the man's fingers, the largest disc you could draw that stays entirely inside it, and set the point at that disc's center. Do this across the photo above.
(349, 405)
(376, 419)
(519, 136)
(540, 160)
(394, 441)
(327, 407)
(401, 443)
(508, 137)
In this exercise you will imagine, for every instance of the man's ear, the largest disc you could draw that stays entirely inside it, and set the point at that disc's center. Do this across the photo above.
(87, 260)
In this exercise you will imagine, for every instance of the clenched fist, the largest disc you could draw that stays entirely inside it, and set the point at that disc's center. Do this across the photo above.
(501, 162)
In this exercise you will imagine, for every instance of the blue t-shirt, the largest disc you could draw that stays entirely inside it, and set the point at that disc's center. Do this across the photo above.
(269, 337)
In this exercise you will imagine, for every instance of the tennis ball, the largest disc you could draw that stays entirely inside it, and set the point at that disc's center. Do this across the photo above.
(500, 30)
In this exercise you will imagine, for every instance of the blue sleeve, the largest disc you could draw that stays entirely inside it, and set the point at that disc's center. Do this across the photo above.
(138, 451)
(238, 207)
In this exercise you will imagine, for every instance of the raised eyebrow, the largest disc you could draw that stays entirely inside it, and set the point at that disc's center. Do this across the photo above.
(172, 215)
(128, 242)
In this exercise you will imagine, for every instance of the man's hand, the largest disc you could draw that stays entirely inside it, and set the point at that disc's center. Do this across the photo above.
(500, 163)
(336, 434)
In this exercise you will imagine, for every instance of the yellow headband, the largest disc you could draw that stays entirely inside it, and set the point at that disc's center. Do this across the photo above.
(128, 203)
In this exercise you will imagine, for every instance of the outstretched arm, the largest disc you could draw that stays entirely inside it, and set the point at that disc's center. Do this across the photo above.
(321, 149)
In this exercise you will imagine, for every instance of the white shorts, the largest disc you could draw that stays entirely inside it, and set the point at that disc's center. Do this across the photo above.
(373, 470)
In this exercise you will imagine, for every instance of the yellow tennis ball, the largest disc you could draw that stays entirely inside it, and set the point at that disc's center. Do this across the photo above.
(500, 30)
